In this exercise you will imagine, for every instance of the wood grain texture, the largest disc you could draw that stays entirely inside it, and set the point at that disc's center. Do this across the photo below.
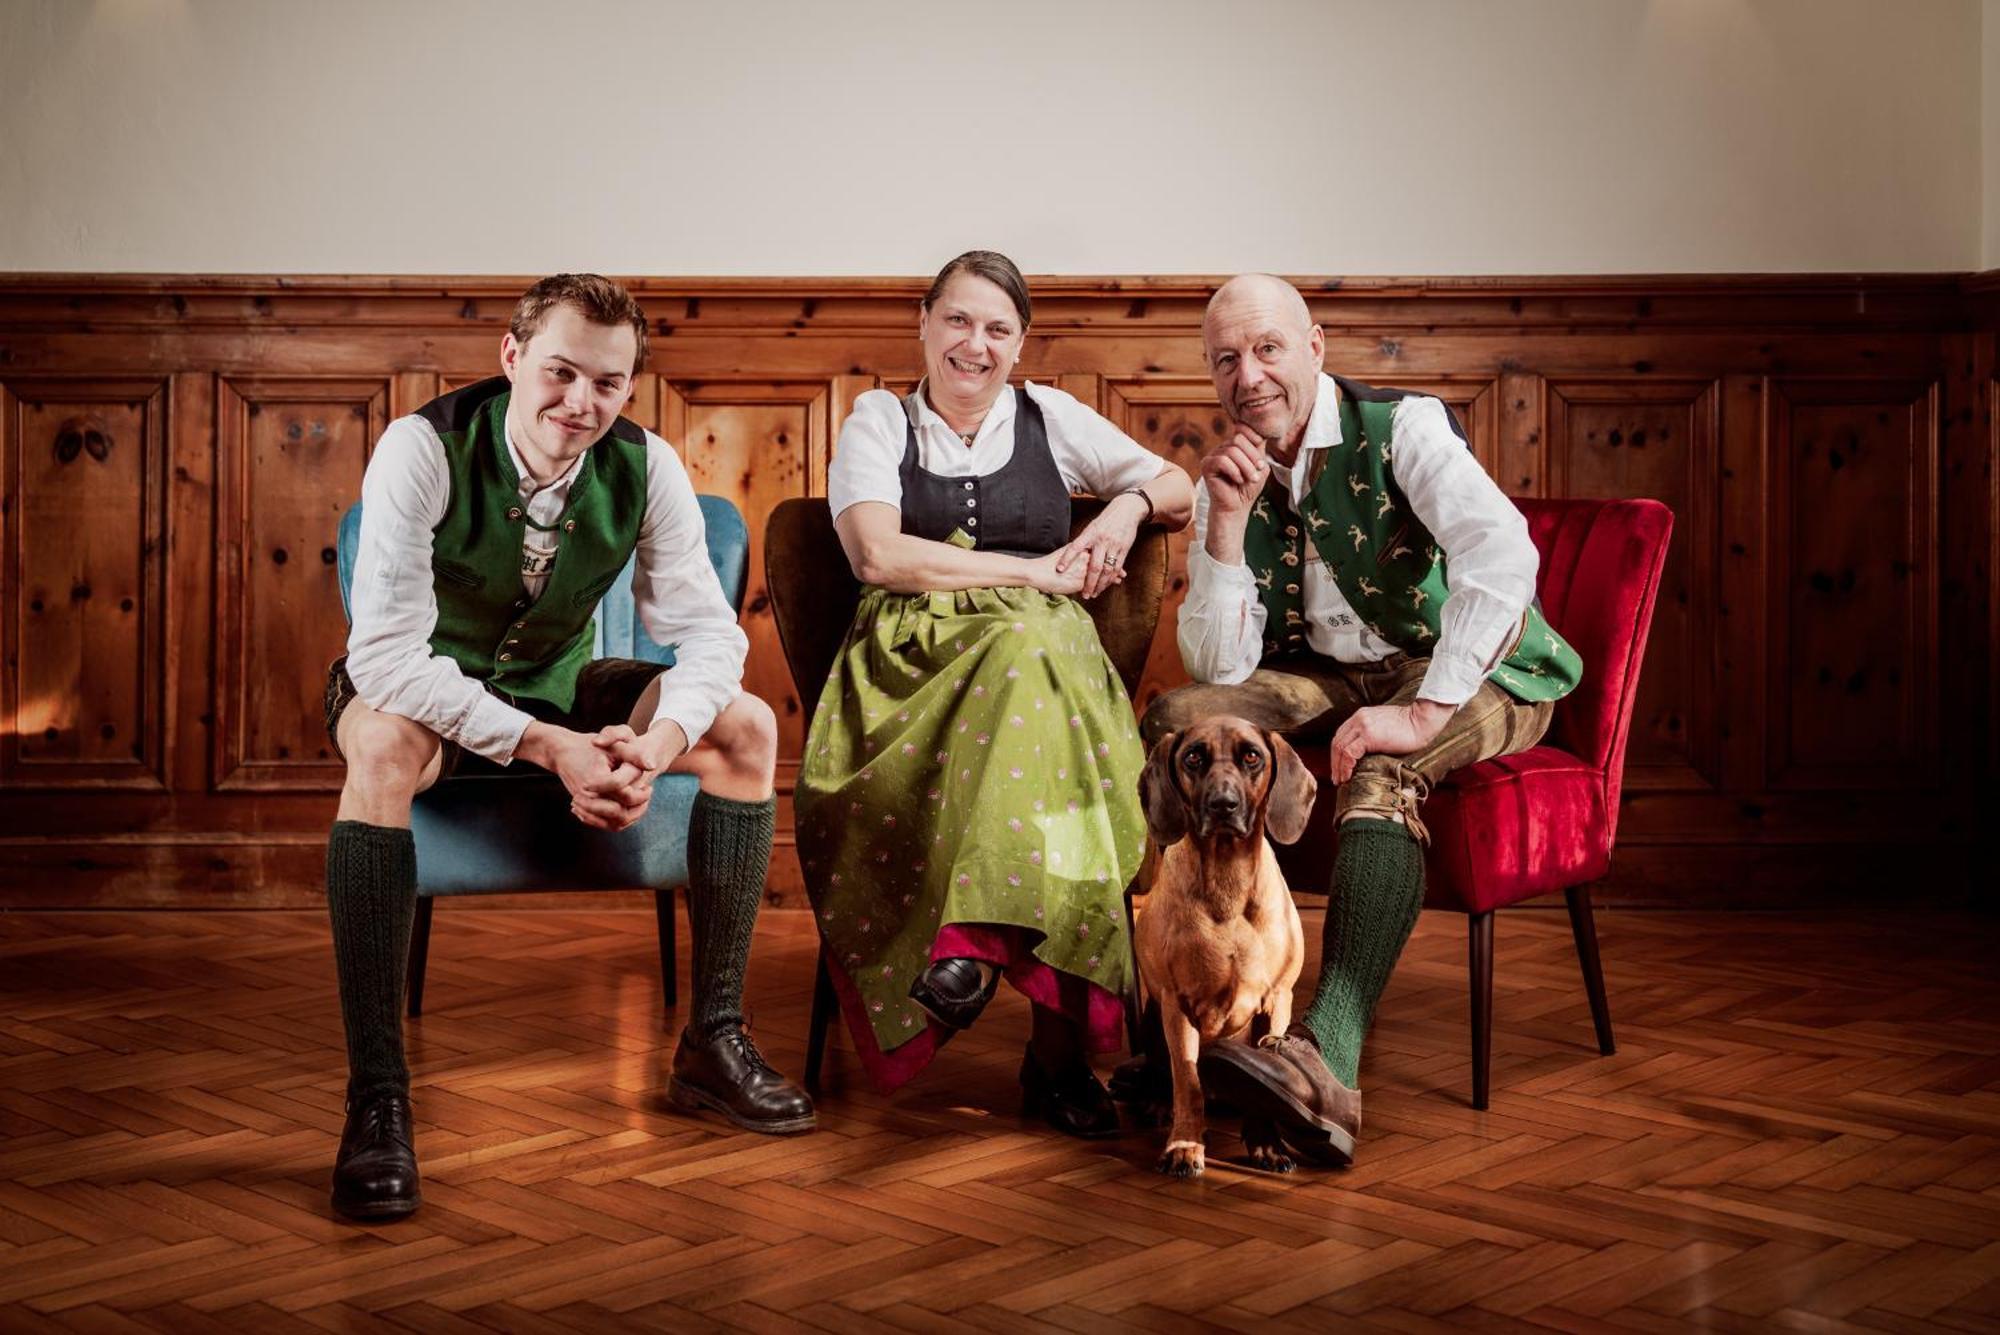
(1800, 1129)
(1826, 644)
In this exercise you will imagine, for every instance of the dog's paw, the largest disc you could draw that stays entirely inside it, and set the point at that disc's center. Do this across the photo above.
(1267, 1150)
(1271, 1159)
(1182, 1159)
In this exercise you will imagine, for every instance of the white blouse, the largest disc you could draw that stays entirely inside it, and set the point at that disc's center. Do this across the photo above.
(1092, 455)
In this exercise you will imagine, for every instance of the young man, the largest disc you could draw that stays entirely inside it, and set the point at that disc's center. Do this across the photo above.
(1355, 573)
(493, 520)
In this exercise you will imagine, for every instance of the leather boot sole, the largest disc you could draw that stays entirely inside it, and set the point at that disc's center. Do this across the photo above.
(695, 1099)
(374, 1210)
(1312, 1136)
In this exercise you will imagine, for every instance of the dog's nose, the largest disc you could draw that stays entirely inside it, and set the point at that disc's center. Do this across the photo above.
(1224, 803)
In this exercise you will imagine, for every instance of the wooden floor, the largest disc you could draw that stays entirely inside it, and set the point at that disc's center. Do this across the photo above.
(1800, 1130)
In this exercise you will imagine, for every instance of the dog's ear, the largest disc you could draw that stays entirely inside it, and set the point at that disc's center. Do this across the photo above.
(1166, 810)
(1292, 791)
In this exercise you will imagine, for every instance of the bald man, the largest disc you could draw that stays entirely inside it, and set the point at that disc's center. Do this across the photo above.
(1354, 573)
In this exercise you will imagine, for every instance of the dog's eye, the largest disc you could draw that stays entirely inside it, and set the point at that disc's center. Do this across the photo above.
(1194, 761)
(1253, 760)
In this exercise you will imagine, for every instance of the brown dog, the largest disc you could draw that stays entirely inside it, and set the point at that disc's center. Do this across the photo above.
(1219, 945)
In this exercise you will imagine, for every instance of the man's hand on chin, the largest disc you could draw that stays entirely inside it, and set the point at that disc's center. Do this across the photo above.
(1387, 730)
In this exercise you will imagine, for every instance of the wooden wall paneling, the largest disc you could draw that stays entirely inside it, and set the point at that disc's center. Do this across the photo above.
(1964, 483)
(757, 443)
(290, 457)
(1743, 587)
(1177, 418)
(1853, 665)
(84, 594)
(1520, 459)
(190, 549)
(1631, 436)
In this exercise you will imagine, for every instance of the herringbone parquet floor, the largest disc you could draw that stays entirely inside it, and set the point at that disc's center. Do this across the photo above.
(1800, 1130)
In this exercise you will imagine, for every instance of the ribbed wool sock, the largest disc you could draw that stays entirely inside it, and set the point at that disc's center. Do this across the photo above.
(1377, 892)
(371, 896)
(729, 853)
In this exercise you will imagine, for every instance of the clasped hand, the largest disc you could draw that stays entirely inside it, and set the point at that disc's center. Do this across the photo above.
(609, 773)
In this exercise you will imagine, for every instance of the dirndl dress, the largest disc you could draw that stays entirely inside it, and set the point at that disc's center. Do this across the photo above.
(969, 785)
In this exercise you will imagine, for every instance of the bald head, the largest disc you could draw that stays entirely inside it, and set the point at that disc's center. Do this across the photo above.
(1259, 294)
(1263, 352)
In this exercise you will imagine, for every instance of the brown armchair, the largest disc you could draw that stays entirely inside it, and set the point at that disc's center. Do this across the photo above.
(813, 597)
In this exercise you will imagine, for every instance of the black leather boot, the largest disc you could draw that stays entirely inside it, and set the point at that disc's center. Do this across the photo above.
(725, 1073)
(375, 1174)
(1069, 1099)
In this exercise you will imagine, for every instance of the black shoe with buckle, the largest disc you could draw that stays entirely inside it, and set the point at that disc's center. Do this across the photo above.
(725, 1073)
(375, 1174)
(952, 991)
(1070, 1099)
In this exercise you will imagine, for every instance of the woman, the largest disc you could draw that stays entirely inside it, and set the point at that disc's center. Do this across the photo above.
(967, 806)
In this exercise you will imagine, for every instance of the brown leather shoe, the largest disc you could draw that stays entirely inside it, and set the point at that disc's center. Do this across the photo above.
(375, 1173)
(726, 1074)
(1285, 1079)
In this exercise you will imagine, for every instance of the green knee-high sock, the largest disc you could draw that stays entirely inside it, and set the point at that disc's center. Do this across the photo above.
(371, 896)
(1377, 892)
(729, 853)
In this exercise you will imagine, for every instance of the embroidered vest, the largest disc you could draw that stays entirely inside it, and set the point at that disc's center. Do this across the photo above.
(486, 622)
(1386, 563)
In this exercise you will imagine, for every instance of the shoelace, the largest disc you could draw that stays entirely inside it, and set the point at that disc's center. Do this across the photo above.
(740, 1037)
(382, 1117)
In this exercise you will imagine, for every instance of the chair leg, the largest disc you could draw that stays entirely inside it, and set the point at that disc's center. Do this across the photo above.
(1583, 923)
(663, 910)
(824, 1008)
(1479, 955)
(420, 952)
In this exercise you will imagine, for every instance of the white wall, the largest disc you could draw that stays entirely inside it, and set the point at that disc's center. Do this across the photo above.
(1989, 148)
(1129, 136)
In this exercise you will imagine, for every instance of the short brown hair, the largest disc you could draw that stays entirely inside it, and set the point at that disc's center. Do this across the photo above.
(594, 297)
(996, 269)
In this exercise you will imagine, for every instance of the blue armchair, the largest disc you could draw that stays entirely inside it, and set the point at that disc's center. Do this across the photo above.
(482, 836)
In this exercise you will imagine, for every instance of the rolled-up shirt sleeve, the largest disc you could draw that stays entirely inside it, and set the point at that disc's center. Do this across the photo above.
(394, 603)
(679, 599)
(1490, 560)
(1220, 629)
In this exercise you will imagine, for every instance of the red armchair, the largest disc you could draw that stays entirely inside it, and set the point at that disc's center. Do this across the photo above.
(1544, 820)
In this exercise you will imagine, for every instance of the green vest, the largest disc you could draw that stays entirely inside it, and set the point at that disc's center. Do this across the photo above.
(1387, 564)
(487, 624)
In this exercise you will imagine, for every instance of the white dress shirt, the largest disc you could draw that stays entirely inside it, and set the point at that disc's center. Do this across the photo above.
(678, 598)
(1092, 455)
(1489, 573)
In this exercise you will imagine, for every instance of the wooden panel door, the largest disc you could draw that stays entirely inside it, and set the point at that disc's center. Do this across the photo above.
(1617, 437)
(83, 585)
(290, 458)
(1853, 595)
